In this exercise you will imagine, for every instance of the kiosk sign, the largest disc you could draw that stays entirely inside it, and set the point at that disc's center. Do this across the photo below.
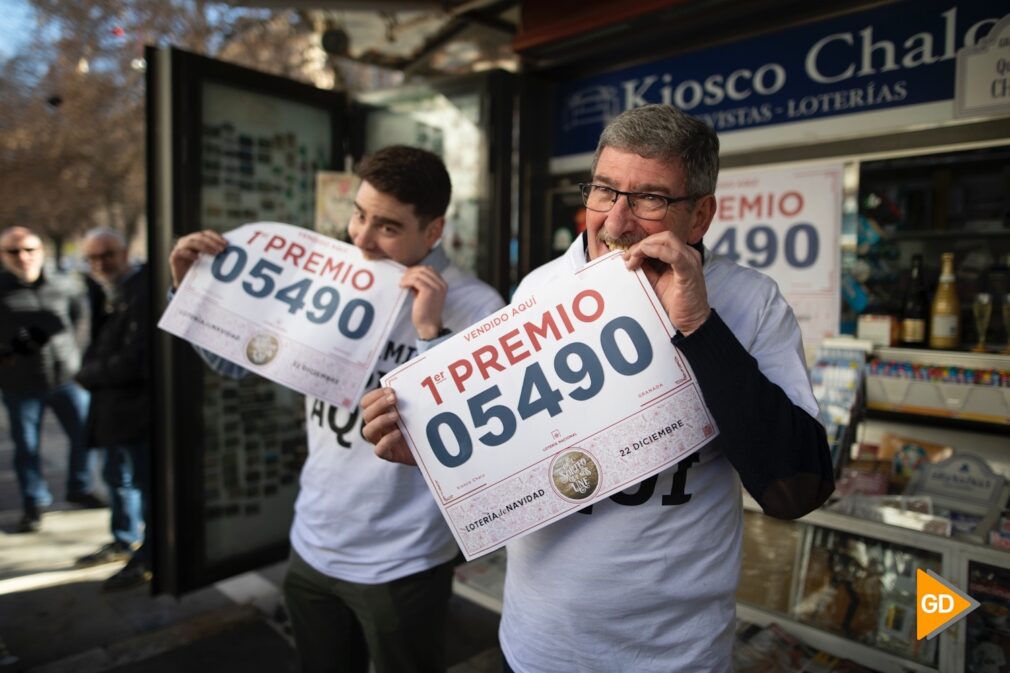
(560, 399)
(983, 74)
(293, 306)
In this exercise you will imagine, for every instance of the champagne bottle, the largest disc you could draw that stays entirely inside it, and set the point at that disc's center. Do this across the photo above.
(915, 308)
(945, 316)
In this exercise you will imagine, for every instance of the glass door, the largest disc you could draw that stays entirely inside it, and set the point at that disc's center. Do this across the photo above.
(468, 122)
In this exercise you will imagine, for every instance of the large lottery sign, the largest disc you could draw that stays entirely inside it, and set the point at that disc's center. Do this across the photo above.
(787, 222)
(563, 398)
(294, 306)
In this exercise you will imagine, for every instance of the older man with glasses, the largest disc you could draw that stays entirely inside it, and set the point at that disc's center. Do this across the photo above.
(115, 371)
(43, 317)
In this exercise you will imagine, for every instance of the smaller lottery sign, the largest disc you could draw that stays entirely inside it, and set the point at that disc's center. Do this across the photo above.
(561, 399)
(292, 305)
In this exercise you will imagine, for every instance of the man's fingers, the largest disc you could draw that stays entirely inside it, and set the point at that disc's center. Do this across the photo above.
(206, 241)
(394, 449)
(378, 409)
(188, 248)
(380, 426)
(376, 403)
(373, 396)
(422, 274)
(184, 254)
(421, 283)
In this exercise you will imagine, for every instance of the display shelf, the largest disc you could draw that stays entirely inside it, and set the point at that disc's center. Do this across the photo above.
(904, 536)
(834, 645)
(958, 235)
(935, 423)
(941, 358)
(964, 399)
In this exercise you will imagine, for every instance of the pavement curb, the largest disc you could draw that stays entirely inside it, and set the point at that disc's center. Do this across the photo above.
(147, 645)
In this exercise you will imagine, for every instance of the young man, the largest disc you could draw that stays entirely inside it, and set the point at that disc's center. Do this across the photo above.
(645, 580)
(115, 371)
(43, 317)
(370, 572)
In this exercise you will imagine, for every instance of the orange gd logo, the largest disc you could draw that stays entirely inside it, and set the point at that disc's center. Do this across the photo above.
(938, 604)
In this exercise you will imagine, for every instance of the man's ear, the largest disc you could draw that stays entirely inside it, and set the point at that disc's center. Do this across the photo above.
(704, 212)
(433, 231)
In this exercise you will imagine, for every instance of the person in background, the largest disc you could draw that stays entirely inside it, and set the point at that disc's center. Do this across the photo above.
(116, 372)
(645, 580)
(370, 574)
(43, 318)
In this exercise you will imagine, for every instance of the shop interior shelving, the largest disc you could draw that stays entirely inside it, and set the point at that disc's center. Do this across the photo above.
(955, 558)
(948, 415)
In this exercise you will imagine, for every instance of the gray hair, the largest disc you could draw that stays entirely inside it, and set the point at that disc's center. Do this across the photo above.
(665, 133)
(105, 232)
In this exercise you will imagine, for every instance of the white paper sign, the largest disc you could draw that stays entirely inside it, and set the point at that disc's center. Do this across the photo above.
(787, 223)
(292, 305)
(557, 401)
(982, 83)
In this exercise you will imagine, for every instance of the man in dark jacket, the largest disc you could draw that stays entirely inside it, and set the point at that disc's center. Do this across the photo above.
(115, 371)
(41, 317)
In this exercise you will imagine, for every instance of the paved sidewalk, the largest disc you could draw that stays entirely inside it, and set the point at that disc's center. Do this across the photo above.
(55, 619)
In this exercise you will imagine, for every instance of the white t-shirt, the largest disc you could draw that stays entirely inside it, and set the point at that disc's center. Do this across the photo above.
(649, 585)
(360, 518)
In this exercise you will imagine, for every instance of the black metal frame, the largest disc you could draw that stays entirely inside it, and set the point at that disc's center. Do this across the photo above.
(178, 432)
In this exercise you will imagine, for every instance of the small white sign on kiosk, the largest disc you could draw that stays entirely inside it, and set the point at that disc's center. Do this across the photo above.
(982, 84)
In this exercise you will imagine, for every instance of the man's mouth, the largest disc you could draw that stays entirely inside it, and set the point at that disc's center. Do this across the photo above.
(621, 243)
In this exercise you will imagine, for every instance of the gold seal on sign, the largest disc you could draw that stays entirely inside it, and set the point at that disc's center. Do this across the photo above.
(262, 348)
(575, 475)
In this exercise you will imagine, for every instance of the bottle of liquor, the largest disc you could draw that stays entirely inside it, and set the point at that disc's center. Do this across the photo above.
(945, 316)
(915, 308)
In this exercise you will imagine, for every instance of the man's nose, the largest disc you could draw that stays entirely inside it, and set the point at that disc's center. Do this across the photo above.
(364, 237)
(620, 219)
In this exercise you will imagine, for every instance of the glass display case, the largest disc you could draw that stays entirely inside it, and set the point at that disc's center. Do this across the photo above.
(847, 586)
(927, 205)
(987, 646)
(845, 583)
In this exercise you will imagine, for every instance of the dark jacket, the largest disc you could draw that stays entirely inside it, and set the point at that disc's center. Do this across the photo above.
(116, 364)
(40, 323)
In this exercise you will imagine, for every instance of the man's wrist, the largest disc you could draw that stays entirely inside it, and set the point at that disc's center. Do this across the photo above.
(430, 334)
(695, 325)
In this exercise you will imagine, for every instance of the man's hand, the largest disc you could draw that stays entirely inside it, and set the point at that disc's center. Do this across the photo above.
(429, 299)
(378, 409)
(188, 249)
(675, 271)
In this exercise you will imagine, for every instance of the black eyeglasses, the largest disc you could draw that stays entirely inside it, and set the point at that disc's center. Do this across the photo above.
(643, 204)
(101, 256)
(14, 252)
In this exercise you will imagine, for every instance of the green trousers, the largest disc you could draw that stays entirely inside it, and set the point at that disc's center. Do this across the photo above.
(338, 626)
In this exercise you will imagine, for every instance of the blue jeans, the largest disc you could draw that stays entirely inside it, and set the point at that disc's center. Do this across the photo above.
(126, 473)
(70, 404)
